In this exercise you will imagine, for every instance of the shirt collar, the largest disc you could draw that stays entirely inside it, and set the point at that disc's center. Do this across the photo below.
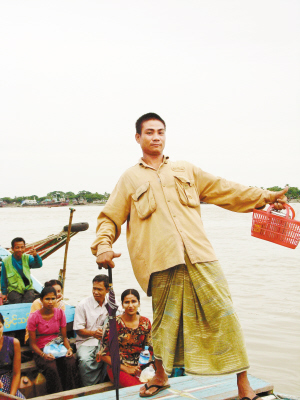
(164, 161)
(96, 304)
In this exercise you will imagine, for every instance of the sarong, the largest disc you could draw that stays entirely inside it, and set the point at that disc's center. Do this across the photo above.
(6, 379)
(194, 322)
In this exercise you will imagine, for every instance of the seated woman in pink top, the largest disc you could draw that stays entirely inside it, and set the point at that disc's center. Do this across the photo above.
(45, 325)
(37, 304)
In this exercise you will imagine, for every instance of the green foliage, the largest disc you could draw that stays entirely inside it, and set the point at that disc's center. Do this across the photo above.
(84, 194)
(275, 189)
(8, 200)
(293, 193)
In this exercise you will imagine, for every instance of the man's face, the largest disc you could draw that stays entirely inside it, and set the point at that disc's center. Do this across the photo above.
(99, 292)
(18, 249)
(152, 138)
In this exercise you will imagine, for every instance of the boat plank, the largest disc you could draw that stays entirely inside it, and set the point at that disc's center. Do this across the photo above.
(75, 393)
(204, 388)
(28, 366)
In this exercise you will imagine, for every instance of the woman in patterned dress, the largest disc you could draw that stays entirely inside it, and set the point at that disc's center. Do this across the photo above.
(134, 333)
(10, 363)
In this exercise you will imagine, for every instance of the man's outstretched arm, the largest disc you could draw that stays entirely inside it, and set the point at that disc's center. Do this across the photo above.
(234, 196)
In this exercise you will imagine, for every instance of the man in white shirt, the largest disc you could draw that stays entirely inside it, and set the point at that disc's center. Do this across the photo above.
(90, 315)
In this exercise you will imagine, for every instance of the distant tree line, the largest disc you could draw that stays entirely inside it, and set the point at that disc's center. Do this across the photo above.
(83, 194)
(293, 193)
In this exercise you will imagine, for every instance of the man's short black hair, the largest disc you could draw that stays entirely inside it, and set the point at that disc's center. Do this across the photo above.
(102, 278)
(147, 117)
(15, 240)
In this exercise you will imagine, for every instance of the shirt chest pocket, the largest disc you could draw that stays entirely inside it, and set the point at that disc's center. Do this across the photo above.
(144, 201)
(11, 277)
(186, 190)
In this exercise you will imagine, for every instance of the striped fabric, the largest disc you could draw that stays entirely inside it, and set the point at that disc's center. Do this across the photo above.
(195, 325)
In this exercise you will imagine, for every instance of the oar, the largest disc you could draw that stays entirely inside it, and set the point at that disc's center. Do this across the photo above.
(62, 272)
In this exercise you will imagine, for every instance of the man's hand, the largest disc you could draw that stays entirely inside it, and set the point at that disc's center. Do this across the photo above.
(4, 298)
(105, 260)
(98, 333)
(278, 198)
(98, 357)
(34, 253)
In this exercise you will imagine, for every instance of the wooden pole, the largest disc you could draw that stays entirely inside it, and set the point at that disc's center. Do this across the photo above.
(63, 271)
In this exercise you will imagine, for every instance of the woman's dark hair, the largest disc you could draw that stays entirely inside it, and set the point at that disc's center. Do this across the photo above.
(53, 282)
(130, 291)
(47, 290)
(1, 319)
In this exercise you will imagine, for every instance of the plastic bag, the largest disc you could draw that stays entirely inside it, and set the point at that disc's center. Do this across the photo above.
(57, 350)
(147, 374)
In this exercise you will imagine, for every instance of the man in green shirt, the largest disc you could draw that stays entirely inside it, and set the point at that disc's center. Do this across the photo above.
(16, 282)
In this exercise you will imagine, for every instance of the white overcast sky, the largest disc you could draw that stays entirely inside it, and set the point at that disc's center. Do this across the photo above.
(75, 76)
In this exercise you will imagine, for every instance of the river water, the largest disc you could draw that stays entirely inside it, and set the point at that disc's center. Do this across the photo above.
(264, 279)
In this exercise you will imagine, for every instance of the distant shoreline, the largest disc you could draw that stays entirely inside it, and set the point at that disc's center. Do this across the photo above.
(89, 204)
(69, 205)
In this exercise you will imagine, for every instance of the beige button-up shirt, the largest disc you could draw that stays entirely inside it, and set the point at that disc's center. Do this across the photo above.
(162, 210)
(89, 315)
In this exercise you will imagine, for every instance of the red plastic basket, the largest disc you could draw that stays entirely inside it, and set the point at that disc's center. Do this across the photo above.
(283, 230)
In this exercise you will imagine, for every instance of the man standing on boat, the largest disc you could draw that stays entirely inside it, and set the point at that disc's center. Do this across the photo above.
(16, 282)
(194, 323)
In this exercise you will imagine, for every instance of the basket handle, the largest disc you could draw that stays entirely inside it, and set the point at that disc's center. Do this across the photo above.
(287, 207)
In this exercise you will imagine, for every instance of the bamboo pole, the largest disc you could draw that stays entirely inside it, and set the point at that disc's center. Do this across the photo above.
(63, 270)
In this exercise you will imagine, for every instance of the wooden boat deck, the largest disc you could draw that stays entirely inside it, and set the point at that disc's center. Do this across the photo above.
(188, 387)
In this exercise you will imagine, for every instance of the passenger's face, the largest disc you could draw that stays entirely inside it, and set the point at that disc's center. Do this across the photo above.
(152, 138)
(18, 249)
(49, 301)
(130, 304)
(58, 291)
(99, 291)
